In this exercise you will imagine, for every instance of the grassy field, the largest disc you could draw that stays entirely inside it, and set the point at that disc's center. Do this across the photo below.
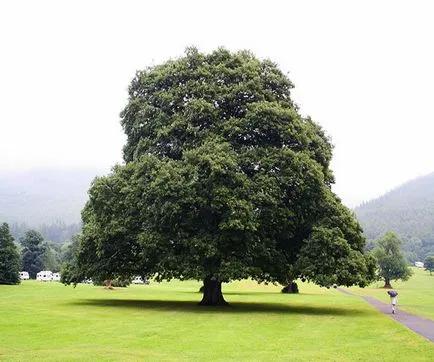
(162, 322)
(415, 295)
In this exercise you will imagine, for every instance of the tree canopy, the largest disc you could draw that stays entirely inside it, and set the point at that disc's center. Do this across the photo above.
(429, 263)
(223, 180)
(391, 262)
(50, 256)
(9, 257)
(32, 252)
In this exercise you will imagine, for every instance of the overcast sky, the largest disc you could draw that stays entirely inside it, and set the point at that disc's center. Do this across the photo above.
(364, 70)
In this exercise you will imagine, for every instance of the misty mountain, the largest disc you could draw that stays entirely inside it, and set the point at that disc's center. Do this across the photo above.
(408, 210)
(44, 196)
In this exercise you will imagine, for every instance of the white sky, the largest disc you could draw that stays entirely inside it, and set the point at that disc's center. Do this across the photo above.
(364, 70)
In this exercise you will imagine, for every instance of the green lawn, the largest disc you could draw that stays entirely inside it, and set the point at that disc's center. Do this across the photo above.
(415, 295)
(162, 322)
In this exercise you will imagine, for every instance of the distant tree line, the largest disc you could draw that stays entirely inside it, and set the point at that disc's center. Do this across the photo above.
(57, 232)
(31, 253)
(413, 248)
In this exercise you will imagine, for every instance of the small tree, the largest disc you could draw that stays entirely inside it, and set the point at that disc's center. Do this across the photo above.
(9, 257)
(392, 264)
(68, 249)
(49, 256)
(32, 253)
(429, 264)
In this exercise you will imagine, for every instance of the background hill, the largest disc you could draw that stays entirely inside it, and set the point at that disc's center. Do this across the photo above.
(48, 200)
(44, 195)
(408, 210)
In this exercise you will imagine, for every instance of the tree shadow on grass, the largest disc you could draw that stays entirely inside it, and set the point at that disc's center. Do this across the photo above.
(233, 308)
(261, 292)
(197, 292)
(278, 292)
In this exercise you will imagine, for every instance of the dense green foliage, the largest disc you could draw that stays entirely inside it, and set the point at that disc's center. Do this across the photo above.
(36, 253)
(391, 262)
(223, 180)
(51, 256)
(429, 263)
(32, 253)
(408, 211)
(68, 250)
(9, 257)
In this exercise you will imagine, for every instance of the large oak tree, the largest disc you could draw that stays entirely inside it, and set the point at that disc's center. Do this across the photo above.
(223, 180)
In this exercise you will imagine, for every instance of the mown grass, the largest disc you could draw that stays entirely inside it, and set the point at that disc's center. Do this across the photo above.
(415, 295)
(162, 322)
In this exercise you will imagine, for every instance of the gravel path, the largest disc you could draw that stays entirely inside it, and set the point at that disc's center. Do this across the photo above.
(420, 325)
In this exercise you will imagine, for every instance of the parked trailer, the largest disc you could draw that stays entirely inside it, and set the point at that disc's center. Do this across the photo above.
(419, 264)
(140, 280)
(56, 277)
(24, 275)
(44, 276)
(137, 280)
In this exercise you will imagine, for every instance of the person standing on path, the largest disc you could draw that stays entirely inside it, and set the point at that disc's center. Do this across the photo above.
(393, 299)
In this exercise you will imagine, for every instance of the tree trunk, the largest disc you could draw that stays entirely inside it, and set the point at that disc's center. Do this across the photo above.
(291, 288)
(108, 284)
(212, 293)
(387, 283)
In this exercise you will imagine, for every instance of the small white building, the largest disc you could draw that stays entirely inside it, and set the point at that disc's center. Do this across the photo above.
(419, 264)
(56, 277)
(24, 275)
(44, 276)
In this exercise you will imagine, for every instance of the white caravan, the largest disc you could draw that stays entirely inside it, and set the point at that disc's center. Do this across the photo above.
(24, 275)
(137, 280)
(140, 280)
(419, 264)
(44, 276)
(56, 277)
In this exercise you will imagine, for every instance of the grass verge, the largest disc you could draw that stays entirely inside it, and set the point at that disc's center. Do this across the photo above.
(162, 322)
(415, 295)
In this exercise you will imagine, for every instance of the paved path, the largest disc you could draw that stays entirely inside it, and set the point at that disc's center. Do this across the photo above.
(420, 325)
